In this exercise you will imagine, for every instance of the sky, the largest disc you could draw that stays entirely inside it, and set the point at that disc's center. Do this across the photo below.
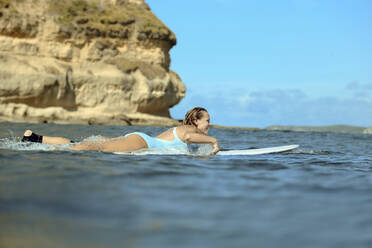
(257, 63)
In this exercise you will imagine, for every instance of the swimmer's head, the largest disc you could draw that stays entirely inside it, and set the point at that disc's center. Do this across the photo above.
(199, 118)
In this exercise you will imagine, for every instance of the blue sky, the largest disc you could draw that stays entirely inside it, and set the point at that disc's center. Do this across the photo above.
(265, 62)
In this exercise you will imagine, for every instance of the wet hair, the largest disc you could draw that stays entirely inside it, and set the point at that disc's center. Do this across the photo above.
(192, 115)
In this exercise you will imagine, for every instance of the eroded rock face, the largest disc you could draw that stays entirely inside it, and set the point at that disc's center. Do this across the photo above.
(86, 61)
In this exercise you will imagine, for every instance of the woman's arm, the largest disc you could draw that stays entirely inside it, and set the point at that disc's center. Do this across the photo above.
(193, 137)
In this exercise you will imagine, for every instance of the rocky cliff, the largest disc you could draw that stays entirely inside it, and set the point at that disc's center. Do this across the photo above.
(86, 61)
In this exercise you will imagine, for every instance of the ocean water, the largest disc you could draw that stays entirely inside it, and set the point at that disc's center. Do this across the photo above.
(319, 195)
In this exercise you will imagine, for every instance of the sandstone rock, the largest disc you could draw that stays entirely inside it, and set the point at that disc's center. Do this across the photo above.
(80, 61)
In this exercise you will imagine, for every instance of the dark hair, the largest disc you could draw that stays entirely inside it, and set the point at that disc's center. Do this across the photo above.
(192, 115)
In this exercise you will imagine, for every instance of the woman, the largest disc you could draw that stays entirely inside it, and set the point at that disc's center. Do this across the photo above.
(194, 129)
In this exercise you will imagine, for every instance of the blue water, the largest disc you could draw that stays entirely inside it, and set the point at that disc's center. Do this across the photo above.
(319, 195)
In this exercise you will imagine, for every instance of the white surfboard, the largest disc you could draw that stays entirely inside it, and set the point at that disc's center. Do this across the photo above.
(259, 151)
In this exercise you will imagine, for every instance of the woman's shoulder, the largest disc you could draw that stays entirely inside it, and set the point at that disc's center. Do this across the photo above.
(184, 129)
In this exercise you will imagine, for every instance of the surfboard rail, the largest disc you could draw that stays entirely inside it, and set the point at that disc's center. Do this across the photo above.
(258, 151)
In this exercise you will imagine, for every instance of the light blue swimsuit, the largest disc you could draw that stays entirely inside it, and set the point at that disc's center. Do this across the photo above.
(159, 143)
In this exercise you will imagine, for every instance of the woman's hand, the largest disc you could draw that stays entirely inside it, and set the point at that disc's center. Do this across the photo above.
(216, 148)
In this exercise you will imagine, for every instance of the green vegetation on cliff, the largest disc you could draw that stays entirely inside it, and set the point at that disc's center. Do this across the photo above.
(110, 20)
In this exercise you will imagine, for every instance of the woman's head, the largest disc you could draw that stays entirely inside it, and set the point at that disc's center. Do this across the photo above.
(199, 118)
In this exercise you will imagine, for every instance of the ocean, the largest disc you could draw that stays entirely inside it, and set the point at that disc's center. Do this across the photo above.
(319, 195)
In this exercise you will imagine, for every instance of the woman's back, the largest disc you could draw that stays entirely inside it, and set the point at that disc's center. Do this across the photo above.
(180, 131)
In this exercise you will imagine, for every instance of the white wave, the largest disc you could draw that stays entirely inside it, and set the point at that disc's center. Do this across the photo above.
(14, 144)
(200, 149)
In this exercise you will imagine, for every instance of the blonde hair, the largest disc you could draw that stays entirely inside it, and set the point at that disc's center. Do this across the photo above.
(192, 115)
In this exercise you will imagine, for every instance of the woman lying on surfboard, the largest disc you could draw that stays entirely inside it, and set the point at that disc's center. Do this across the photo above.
(194, 129)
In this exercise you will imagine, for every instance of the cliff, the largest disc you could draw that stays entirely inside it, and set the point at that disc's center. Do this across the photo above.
(86, 61)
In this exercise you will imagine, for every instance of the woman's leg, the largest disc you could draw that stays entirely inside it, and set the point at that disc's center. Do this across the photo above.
(129, 143)
(29, 136)
(132, 142)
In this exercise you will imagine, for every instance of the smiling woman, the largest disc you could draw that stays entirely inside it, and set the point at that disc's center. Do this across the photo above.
(194, 129)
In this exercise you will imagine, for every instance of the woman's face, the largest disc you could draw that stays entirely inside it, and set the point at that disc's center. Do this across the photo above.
(203, 123)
